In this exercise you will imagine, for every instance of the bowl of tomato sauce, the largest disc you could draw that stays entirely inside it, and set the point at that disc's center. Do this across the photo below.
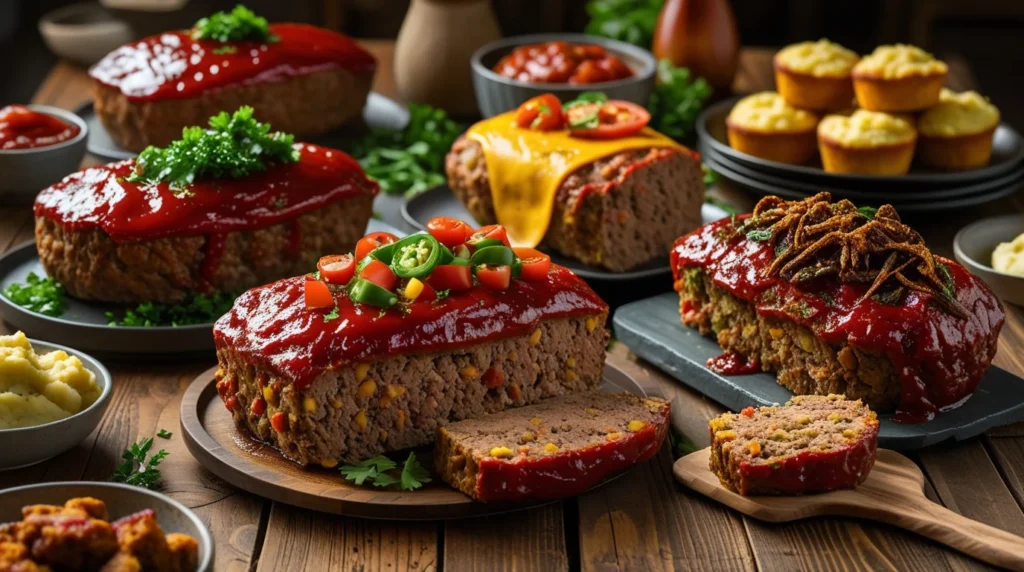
(510, 71)
(39, 145)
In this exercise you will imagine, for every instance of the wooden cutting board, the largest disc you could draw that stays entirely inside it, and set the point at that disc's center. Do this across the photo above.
(893, 493)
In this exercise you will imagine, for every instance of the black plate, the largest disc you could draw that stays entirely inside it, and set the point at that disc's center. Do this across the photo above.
(1007, 154)
(440, 201)
(651, 328)
(761, 188)
(84, 327)
(380, 112)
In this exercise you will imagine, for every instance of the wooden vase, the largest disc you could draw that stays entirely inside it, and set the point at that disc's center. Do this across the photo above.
(700, 35)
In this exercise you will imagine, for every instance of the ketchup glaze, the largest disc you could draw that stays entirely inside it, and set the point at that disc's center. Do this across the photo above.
(23, 128)
(938, 357)
(271, 325)
(172, 65)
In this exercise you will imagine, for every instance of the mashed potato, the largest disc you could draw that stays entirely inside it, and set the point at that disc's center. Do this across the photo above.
(1008, 257)
(37, 389)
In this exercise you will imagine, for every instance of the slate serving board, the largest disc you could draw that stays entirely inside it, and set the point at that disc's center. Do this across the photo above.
(651, 328)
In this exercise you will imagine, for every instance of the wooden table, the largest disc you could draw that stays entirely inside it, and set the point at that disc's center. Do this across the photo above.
(643, 521)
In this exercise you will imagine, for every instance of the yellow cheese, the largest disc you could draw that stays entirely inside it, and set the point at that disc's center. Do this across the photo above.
(526, 167)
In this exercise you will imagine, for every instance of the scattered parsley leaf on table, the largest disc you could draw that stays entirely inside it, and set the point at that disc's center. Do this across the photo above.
(40, 295)
(380, 472)
(136, 469)
(164, 434)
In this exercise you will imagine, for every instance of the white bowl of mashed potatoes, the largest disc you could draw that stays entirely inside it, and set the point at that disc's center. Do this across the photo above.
(993, 250)
(51, 399)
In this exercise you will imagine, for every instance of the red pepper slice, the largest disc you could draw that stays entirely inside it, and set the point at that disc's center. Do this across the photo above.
(337, 268)
(368, 243)
(609, 120)
(494, 277)
(451, 277)
(449, 231)
(543, 113)
(317, 294)
(380, 274)
(536, 264)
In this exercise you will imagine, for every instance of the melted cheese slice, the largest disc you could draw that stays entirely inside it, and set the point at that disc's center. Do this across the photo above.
(526, 167)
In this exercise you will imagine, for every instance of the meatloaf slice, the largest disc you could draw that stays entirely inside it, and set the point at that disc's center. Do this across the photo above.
(813, 444)
(557, 448)
(358, 410)
(92, 266)
(647, 198)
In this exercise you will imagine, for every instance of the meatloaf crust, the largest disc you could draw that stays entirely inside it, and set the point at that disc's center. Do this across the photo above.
(91, 266)
(356, 411)
(653, 196)
(303, 105)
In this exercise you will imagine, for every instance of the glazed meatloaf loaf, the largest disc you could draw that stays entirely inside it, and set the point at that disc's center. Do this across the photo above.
(841, 300)
(813, 444)
(557, 448)
(375, 362)
(302, 79)
(615, 204)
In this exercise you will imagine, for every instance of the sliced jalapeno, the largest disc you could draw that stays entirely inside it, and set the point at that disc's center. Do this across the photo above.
(384, 253)
(462, 251)
(366, 292)
(484, 243)
(415, 255)
(494, 255)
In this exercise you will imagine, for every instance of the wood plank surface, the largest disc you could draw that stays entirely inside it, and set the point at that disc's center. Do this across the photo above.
(524, 540)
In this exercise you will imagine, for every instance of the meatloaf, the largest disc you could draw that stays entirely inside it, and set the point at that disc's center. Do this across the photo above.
(618, 211)
(361, 381)
(813, 444)
(557, 448)
(106, 239)
(836, 299)
(307, 82)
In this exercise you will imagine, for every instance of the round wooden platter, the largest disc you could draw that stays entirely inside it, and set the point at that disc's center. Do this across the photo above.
(251, 465)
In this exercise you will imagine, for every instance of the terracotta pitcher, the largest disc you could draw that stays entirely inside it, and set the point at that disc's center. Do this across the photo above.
(700, 35)
(433, 50)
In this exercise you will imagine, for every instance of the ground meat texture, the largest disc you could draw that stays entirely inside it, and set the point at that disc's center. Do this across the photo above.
(556, 448)
(303, 105)
(635, 221)
(804, 363)
(91, 266)
(356, 411)
(812, 444)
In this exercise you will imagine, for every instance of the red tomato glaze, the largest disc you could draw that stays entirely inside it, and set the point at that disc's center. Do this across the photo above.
(562, 62)
(271, 325)
(939, 358)
(172, 65)
(732, 363)
(22, 128)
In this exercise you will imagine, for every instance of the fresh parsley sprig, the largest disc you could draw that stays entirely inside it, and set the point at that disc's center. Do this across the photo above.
(381, 471)
(136, 469)
(239, 24)
(40, 295)
(196, 309)
(677, 100)
(630, 21)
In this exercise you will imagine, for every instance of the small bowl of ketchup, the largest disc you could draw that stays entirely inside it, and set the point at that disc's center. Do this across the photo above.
(512, 70)
(39, 145)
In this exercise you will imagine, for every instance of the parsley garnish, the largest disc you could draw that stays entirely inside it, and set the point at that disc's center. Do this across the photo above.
(681, 444)
(380, 471)
(947, 280)
(760, 235)
(225, 50)
(240, 23)
(164, 434)
(677, 101)
(868, 212)
(333, 314)
(442, 294)
(40, 295)
(234, 146)
(136, 469)
(630, 21)
(196, 309)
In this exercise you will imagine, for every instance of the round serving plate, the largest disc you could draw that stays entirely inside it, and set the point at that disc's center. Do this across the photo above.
(1007, 154)
(84, 325)
(380, 112)
(440, 201)
(121, 500)
(251, 465)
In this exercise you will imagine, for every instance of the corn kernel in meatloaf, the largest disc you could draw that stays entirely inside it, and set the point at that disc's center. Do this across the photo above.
(812, 444)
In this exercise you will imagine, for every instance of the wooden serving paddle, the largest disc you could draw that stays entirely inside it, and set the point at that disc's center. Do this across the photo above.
(893, 493)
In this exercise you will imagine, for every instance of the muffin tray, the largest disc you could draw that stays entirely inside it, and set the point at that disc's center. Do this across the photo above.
(651, 328)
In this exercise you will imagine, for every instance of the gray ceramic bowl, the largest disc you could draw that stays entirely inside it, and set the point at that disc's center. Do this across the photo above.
(30, 445)
(973, 247)
(497, 94)
(25, 172)
(121, 500)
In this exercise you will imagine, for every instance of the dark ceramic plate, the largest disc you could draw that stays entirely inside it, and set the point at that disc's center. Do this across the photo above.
(440, 201)
(380, 112)
(761, 188)
(84, 326)
(651, 328)
(1007, 154)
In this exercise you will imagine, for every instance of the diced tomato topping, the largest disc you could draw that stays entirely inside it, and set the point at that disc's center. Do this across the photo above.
(318, 295)
(493, 378)
(259, 405)
(494, 277)
(337, 268)
(611, 120)
(495, 231)
(380, 274)
(451, 277)
(543, 113)
(279, 422)
(536, 264)
(747, 412)
(449, 231)
(231, 402)
(370, 242)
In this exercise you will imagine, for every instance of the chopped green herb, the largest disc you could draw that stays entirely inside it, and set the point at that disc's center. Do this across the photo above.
(136, 469)
(239, 24)
(868, 212)
(380, 471)
(889, 298)
(611, 344)
(710, 176)
(585, 98)
(681, 444)
(948, 288)
(234, 146)
(731, 210)
(630, 21)
(442, 294)
(332, 315)
(677, 101)
(225, 50)
(164, 434)
(760, 234)
(40, 295)
(196, 309)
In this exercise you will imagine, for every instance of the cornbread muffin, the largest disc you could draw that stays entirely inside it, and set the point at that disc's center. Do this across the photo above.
(765, 125)
(815, 75)
(957, 133)
(813, 444)
(898, 78)
(866, 142)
